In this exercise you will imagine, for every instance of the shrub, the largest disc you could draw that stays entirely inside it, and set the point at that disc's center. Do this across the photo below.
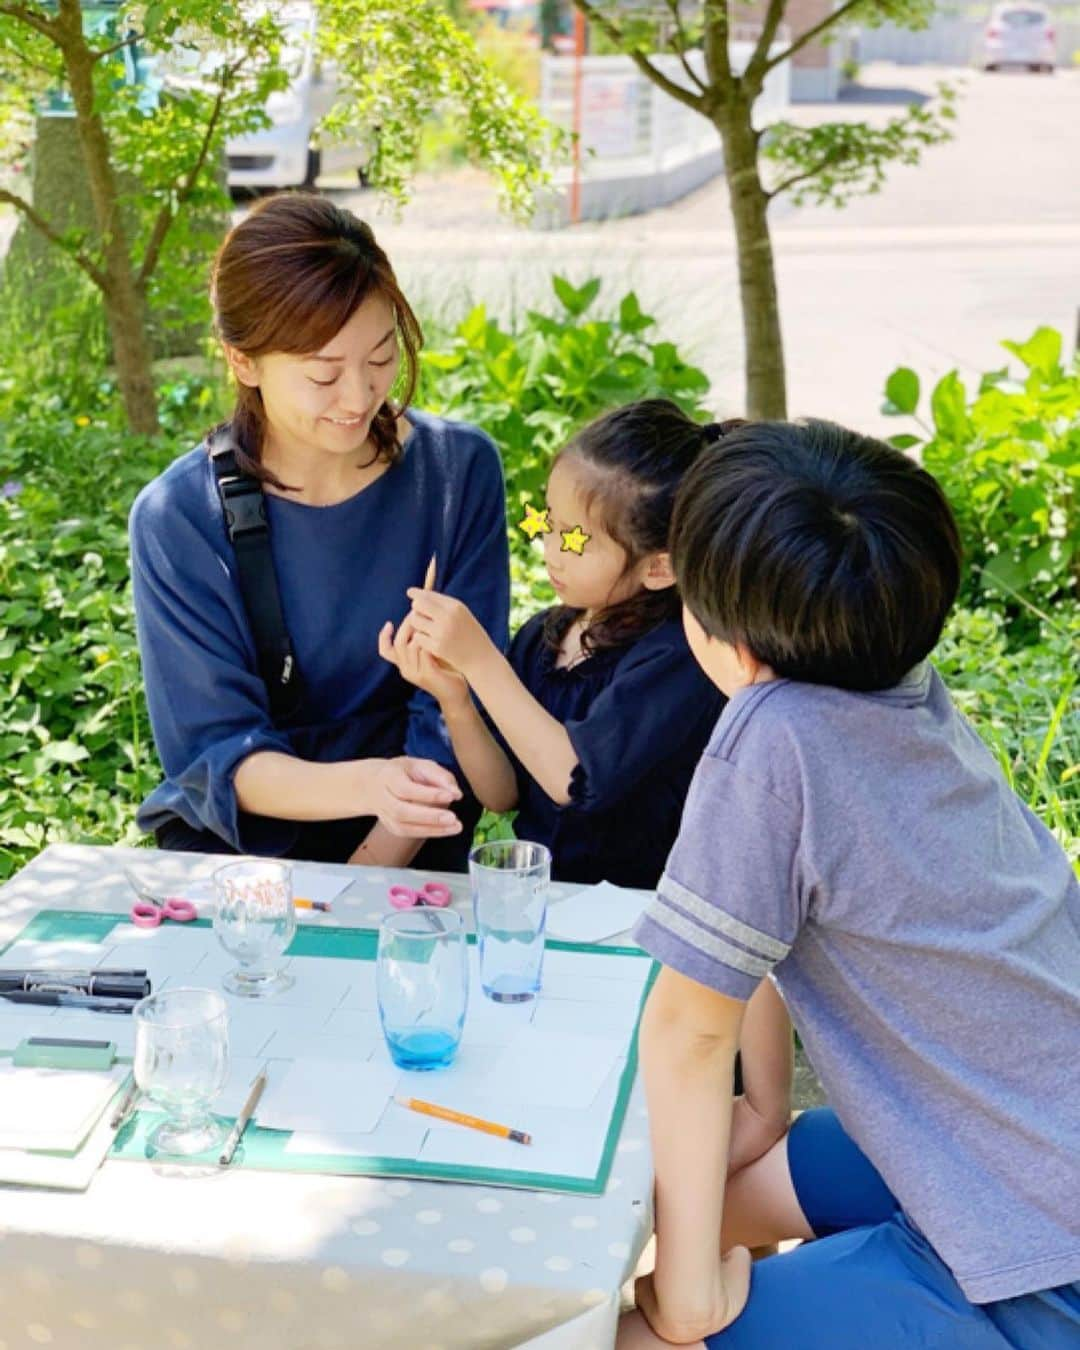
(533, 386)
(1009, 460)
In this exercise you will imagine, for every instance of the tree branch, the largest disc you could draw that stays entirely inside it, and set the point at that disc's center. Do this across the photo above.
(801, 177)
(116, 47)
(167, 214)
(45, 227)
(681, 45)
(677, 91)
(32, 19)
(829, 21)
(757, 66)
(717, 56)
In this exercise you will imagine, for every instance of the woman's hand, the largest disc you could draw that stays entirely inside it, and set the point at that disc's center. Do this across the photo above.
(448, 630)
(419, 667)
(684, 1319)
(409, 797)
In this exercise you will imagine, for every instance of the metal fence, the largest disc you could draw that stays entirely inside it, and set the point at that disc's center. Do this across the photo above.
(953, 37)
(625, 117)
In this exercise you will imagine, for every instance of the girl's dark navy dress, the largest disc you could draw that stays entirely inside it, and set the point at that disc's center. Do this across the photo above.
(639, 717)
(342, 571)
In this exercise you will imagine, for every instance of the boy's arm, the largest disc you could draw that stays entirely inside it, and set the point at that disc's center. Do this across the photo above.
(688, 1038)
(763, 1113)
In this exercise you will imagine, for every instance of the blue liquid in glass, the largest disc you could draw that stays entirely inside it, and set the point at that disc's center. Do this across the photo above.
(421, 1050)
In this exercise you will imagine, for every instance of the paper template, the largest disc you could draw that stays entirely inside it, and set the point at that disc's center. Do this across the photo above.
(596, 913)
(325, 1096)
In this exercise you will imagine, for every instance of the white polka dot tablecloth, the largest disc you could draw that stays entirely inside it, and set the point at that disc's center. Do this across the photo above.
(157, 1257)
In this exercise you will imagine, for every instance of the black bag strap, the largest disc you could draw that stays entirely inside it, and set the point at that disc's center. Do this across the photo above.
(249, 532)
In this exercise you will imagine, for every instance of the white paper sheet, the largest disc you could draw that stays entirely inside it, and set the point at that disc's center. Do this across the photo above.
(309, 884)
(94, 1026)
(400, 1134)
(32, 954)
(557, 1069)
(59, 1171)
(596, 913)
(52, 1108)
(327, 1096)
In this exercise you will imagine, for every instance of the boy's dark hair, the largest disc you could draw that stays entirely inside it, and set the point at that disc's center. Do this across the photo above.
(634, 459)
(834, 558)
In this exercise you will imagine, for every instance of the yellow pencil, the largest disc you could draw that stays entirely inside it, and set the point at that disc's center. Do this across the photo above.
(429, 575)
(457, 1118)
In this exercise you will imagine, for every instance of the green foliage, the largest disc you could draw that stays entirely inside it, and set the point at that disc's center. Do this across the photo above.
(74, 734)
(1025, 703)
(1008, 458)
(831, 162)
(375, 44)
(533, 386)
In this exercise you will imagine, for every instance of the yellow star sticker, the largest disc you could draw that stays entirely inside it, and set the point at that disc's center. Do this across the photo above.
(574, 541)
(535, 522)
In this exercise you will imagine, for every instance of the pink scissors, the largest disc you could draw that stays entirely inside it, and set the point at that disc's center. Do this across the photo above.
(150, 910)
(431, 893)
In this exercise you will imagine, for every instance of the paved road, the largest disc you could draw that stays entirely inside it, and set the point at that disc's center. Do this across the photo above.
(980, 243)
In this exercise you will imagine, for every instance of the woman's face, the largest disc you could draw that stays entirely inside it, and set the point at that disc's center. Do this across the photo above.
(326, 400)
(595, 576)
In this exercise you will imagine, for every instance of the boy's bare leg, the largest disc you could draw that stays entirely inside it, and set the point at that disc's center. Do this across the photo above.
(636, 1334)
(760, 1205)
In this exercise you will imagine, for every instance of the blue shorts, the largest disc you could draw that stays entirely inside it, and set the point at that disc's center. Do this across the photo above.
(872, 1281)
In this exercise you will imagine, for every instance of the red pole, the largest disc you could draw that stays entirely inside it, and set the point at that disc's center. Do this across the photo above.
(575, 179)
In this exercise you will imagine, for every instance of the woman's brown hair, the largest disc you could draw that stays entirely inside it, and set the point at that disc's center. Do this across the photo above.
(288, 278)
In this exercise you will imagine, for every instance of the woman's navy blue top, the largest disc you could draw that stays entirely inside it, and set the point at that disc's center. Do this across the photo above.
(342, 571)
(639, 717)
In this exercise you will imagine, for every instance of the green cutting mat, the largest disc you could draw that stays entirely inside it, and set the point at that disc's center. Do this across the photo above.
(265, 1149)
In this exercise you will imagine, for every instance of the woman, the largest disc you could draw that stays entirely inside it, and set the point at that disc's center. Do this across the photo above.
(360, 493)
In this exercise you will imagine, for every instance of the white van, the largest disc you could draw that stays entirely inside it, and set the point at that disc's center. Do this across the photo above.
(283, 154)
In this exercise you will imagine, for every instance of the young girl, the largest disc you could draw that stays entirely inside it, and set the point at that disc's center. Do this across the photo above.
(599, 710)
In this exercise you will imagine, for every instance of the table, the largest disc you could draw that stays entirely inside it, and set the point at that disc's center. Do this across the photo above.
(156, 1257)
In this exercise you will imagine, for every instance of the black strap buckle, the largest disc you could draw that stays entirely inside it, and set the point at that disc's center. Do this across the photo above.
(245, 511)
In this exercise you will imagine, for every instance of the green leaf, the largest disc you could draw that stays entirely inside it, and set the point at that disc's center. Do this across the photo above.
(1040, 353)
(65, 752)
(948, 404)
(904, 441)
(576, 300)
(902, 390)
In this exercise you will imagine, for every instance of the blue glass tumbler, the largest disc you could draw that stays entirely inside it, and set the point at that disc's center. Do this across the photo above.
(422, 984)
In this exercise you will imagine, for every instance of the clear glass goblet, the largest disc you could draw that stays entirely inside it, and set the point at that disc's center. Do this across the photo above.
(181, 1063)
(255, 922)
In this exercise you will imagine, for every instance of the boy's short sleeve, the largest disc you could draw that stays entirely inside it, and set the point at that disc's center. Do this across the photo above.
(729, 905)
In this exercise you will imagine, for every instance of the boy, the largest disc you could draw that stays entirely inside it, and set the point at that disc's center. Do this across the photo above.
(847, 832)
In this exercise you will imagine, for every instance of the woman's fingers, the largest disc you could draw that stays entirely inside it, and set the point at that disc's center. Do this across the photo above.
(428, 772)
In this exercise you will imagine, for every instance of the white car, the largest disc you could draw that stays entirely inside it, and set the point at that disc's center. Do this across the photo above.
(1020, 35)
(283, 155)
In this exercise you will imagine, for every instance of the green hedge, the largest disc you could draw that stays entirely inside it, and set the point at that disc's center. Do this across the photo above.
(74, 735)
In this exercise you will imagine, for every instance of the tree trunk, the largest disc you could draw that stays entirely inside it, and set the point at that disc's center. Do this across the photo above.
(766, 390)
(125, 307)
